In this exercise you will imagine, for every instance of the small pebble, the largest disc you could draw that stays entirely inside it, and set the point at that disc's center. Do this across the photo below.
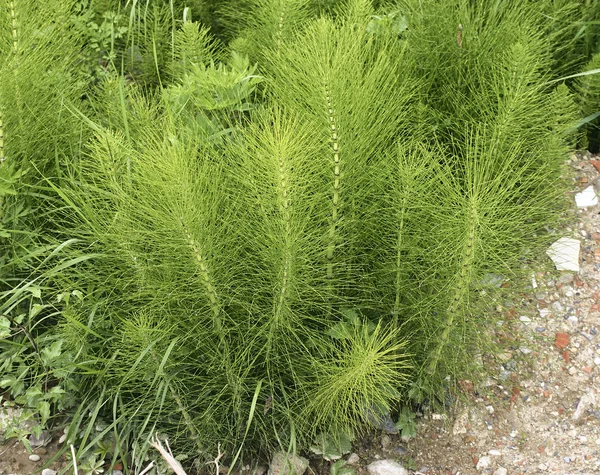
(540, 329)
(573, 320)
(484, 462)
(525, 319)
(524, 350)
(597, 360)
(495, 453)
(34, 457)
(353, 459)
(400, 451)
(48, 471)
(566, 278)
(489, 409)
(544, 312)
(500, 471)
(543, 467)
(568, 459)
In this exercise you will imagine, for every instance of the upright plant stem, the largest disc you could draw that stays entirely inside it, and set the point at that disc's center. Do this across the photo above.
(209, 286)
(15, 53)
(287, 257)
(335, 199)
(399, 267)
(461, 291)
(15, 31)
(2, 157)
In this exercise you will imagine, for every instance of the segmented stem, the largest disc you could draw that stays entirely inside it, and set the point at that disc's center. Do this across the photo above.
(2, 157)
(287, 259)
(335, 201)
(399, 243)
(279, 33)
(461, 291)
(209, 287)
(15, 51)
(186, 417)
(15, 30)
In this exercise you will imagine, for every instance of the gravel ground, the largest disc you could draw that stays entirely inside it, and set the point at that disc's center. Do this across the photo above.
(538, 413)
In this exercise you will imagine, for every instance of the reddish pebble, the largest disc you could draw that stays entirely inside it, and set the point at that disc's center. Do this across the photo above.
(587, 369)
(541, 449)
(597, 255)
(562, 340)
(583, 179)
(565, 355)
(515, 393)
(596, 164)
(546, 393)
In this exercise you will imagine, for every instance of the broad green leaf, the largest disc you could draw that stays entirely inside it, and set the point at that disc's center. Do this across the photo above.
(43, 408)
(4, 327)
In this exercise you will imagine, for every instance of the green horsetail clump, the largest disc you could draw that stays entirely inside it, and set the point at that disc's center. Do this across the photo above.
(294, 234)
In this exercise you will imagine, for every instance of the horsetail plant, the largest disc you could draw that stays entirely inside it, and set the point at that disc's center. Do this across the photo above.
(262, 269)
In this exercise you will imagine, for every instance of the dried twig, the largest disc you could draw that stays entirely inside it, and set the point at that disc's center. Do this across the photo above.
(173, 463)
(217, 458)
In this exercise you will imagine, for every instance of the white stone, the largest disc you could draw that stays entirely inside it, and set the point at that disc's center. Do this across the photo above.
(460, 424)
(386, 467)
(495, 453)
(489, 409)
(353, 459)
(586, 198)
(543, 467)
(565, 254)
(500, 471)
(48, 471)
(34, 457)
(524, 350)
(483, 462)
(525, 319)
(287, 464)
(586, 401)
(597, 360)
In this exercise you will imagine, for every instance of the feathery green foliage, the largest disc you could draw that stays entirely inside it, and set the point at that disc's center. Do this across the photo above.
(258, 267)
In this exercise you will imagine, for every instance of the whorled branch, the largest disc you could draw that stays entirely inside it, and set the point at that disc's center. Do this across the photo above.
(461, 290)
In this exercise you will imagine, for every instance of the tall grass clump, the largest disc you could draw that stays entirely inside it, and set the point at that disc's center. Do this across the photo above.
(295, 234)
(39, 77)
